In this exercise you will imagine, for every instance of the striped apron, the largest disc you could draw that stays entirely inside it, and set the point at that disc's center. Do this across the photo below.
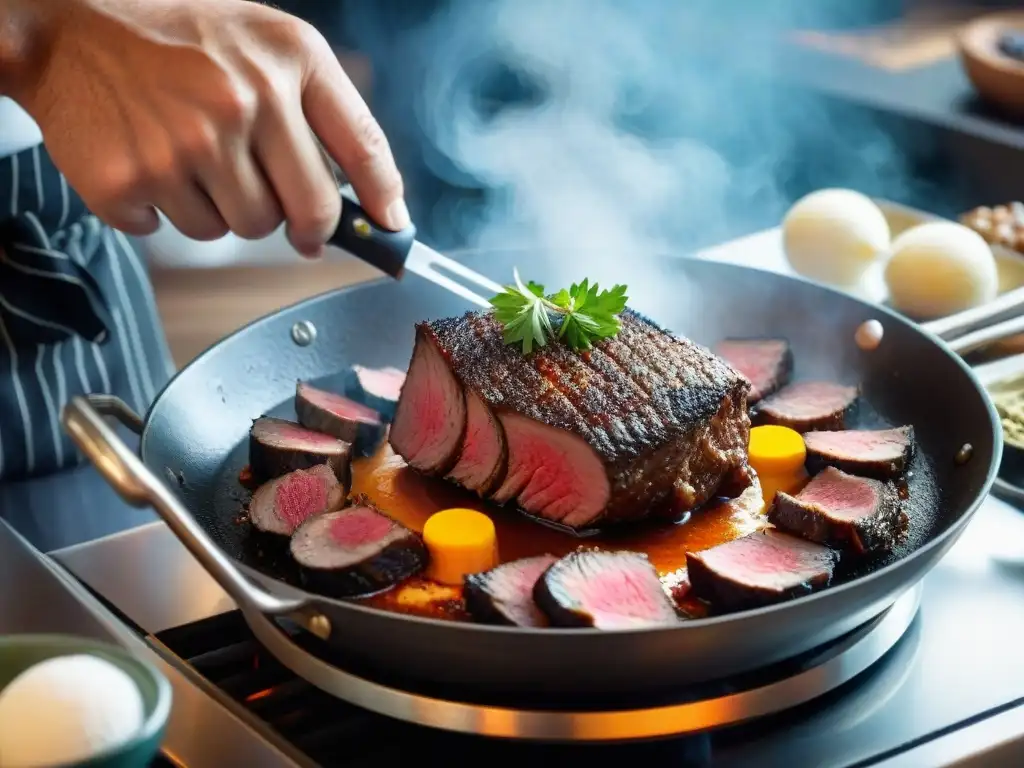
(77, 316)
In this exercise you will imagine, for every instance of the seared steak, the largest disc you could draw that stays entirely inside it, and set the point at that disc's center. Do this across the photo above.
(282, 504)
(339, 417)
(850, 513)
(484, 455)
(808, 405)
(376, 388)
(504, 595)
(880, 453)
(758, 569)
(766, 363)
(277, 446)
(356, 551)
(640, 424)
(604, 590)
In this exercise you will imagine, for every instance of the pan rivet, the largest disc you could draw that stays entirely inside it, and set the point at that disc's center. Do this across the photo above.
(964, 454)
(304, 333)
(869, 335)
(362, 227)
(319, 626)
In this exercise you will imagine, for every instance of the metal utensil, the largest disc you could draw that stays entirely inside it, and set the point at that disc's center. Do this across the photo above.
(395, 252)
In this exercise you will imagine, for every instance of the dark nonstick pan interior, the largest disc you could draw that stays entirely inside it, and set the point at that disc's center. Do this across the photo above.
(196, 433)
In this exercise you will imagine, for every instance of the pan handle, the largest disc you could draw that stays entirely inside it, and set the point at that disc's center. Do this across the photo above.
(974, 321)
(83, 419)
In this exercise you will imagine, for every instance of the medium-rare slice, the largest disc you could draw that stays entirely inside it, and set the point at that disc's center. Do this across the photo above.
(356, 551)
(604, 590)
(850, 513)
(883, 454)
(766, 363)
(504, 595)
(759, 569)
(339, 417)
(644, 423)
(277, 446)
(430, 418)
(376, 388)
(484, 456)
(807, 406)
(281, 505)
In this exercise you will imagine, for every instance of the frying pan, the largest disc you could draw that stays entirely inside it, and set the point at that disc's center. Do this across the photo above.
(193, 443)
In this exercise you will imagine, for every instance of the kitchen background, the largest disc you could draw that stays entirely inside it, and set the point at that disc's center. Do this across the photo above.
(633, 125)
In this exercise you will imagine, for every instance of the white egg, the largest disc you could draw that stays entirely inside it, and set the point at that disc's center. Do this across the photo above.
(940, 268)
(834, 235)
(66, 710)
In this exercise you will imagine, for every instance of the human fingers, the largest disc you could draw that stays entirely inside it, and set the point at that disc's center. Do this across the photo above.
(350, 134)
(303, 184)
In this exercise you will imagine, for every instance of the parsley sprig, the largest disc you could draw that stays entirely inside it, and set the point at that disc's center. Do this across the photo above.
(577, 316)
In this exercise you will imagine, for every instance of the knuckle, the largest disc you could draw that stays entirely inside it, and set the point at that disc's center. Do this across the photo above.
(235, 106)
(371, 143)
(198, 143)
(123, 180)
(317, 218)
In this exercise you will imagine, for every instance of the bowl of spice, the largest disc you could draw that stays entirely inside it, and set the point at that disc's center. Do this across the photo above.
(992, 54)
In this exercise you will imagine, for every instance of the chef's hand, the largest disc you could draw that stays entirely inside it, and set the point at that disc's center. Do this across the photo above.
(205, 110)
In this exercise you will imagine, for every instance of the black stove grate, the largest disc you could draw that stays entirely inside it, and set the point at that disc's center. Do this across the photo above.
(331, 732)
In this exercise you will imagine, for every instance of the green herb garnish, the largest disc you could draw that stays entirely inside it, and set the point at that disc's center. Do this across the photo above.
(577, 316)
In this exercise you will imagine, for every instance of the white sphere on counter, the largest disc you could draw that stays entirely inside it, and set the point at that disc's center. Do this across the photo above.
(834, 235)
(940, 268)
(66, 710)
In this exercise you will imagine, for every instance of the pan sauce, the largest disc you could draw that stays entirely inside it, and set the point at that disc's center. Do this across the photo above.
(411, 498)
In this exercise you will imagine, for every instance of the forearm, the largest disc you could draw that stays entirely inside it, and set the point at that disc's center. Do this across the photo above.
(26, 35)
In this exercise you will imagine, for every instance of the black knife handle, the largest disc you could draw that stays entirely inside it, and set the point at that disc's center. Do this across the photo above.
(358, 235)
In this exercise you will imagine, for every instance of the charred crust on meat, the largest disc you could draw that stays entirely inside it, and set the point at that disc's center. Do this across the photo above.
(877, 530)
(665, 417)
(494, 597)
(833, 415)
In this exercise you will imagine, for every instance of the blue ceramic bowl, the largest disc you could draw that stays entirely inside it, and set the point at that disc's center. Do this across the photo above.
(20, 652)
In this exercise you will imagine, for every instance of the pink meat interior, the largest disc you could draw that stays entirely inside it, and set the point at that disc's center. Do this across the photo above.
(862, 445)
(290, 434)
(300, 495)
(358, 527)
(757, 360)
(342, 406)
(622, 596)
(383, 382)
(811, 399)
(841, 495)
(769, 560)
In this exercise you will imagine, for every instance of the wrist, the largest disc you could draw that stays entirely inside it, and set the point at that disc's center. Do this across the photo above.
(27, 32)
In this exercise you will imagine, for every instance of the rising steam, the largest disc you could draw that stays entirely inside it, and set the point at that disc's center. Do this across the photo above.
(613, 127)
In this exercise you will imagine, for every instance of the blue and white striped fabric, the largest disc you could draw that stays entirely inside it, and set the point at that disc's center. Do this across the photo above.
(77, 316)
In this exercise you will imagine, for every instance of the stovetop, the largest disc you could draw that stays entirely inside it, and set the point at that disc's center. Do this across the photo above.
(950, 693)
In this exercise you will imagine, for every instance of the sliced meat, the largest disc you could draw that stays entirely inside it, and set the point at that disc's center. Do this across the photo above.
(339, 417)
(880, 453)
(430, 420)
(504, 595)
(277, 446)
(808, 406)
(604, 590)
(758, 569)
(281, 505)
(641, 424)
(356, 551)
(484, 455)
(766, 363)
(850, 513)
(377, 388)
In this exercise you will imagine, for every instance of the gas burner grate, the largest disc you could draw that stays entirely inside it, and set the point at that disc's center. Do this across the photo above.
(223, 650)
(331, 732)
